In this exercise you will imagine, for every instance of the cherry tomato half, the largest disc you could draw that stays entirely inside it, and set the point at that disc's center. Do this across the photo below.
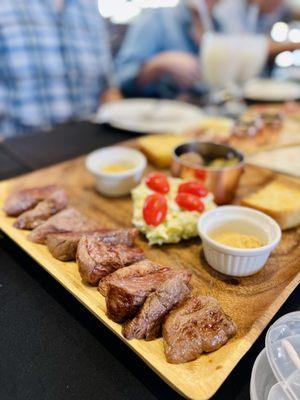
(155, 209)
(192, 187)
(189, 202)
(200, 174)
(158, 182)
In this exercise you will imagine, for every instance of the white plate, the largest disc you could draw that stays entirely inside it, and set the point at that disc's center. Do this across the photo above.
(271, 90)
(150, 115)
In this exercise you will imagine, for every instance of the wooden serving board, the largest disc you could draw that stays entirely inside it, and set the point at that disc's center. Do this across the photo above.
(251, 302)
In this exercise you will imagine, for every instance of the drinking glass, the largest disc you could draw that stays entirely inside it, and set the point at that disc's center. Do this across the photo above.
(228, 61)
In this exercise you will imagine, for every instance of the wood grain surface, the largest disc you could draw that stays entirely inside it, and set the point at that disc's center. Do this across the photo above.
(251, 301)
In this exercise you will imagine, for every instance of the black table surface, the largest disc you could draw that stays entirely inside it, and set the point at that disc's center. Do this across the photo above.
(51, 347)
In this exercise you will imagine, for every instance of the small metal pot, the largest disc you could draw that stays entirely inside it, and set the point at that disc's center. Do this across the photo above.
(222, 182)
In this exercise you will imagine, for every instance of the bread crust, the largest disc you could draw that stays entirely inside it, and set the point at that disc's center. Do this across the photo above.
(287, 218)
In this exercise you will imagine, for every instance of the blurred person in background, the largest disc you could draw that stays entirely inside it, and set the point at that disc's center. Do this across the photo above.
(160, 53)
(254, 16)
(54, 63)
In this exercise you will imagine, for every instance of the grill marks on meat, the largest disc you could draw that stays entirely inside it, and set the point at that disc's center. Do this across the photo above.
(67, 220)
(27, 199)
(198, 325)
(63, 246)
(147, 323)
(56, 201)
(126, 289)
(96, 259)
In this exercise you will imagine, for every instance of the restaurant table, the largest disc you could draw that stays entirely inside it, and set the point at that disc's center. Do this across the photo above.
(51, 347)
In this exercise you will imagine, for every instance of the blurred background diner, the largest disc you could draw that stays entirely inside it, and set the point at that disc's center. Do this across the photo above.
(166, 60)
(59, 61)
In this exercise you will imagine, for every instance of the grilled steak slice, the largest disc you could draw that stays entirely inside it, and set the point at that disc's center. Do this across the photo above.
(63, 246)
(147, 323)
(97, 259)
(26, 199)
(55, 202)
(126, 289)
(198, 325)
(124, 275)
(68, 220)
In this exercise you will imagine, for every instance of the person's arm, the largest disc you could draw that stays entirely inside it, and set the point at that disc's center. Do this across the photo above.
(181, 66)
(276, 48)
(146, 56)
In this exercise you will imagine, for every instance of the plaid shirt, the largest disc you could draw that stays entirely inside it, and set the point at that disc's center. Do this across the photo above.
(53, 64)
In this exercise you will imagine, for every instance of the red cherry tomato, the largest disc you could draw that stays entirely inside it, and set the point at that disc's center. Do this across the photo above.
(155, 209)
(157, 182)
(189, 202)
(192, 187)
(200, 174)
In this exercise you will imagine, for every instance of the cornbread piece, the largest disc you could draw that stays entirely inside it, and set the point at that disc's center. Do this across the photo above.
(26, 199)
(96, 259)
(55, 202)
(63, 246)
(198, 325)
(68, 220)
(158, 148)
(280, 200)
(147, 324)
(126, 289)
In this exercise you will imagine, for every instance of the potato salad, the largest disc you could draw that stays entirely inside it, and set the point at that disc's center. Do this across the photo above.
(167, 209)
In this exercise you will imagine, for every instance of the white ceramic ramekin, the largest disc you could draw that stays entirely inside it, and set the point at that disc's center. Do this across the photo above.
(121, 183)
(234, 261)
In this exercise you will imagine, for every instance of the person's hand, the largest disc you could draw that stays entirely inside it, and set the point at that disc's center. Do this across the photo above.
(110, 95)
(181, 66)
(277, 48)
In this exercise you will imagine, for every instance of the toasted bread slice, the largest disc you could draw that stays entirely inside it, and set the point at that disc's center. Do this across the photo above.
(280, 199)
(158, 148)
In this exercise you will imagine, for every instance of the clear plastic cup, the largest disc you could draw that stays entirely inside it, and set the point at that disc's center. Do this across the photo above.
(276, 371)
